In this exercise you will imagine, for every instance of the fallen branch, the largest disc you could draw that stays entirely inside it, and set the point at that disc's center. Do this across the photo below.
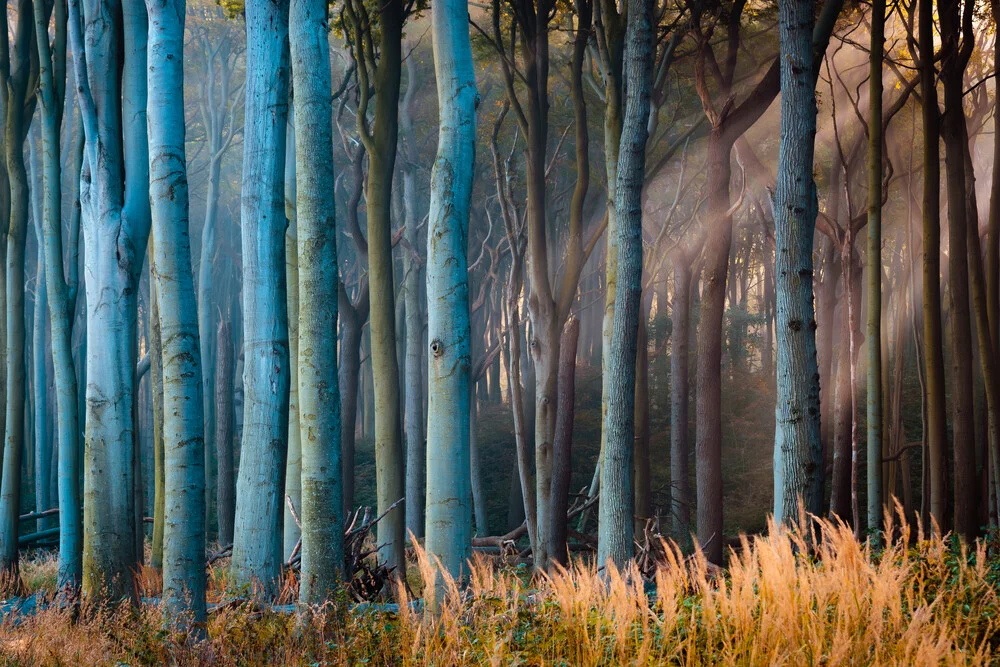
(35, 537)
(38, 515)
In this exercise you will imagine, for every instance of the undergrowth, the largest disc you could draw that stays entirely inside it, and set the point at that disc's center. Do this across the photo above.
(794, 597)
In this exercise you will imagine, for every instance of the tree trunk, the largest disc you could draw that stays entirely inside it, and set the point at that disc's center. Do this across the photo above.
(183, 426)
(293, 460)
(115, 219)
(18, 104)
(937, 434)
(226, 480)
(449, 533)
(352, 318)
(319, 398)
(413, 415)
(615, 526)
(562, 450)
(798, 447)
(613, 112)
(380, 144)
(475, 466)
(259, 502)
(156, 391)
(680, 449)
(642, 474)
(708, 438)
(953, 134)
(40, 352)
(874, 329)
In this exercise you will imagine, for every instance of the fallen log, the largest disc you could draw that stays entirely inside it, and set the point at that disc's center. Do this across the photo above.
(25, 540)
(38, 515)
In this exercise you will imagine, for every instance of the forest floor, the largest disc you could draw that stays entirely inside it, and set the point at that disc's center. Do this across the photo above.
(803, 597)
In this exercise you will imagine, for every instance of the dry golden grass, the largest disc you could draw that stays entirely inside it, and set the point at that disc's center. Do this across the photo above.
(805, 597)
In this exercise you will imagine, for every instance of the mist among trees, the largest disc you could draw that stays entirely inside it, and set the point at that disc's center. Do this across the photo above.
(341, 311)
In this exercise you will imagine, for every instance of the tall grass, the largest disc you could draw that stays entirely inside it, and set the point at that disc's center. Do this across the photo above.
(794, 597)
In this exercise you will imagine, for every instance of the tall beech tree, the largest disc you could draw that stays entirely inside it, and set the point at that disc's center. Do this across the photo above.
(614, 541)
(380, 140)
(183, 424)
(318, 395)
(937, 426)
(873, 330)
(798, 449)
(259, 501)
(957, 47)
(51, 97)
(449, 529)
(413, 413)
(18, 77)
(114, 198)
(524, 58)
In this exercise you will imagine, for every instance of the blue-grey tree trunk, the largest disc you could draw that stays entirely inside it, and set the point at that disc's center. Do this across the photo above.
(798, 448)
(448, 526)
(319, 396)
(614, 538)
(173, 280)
(257, 534)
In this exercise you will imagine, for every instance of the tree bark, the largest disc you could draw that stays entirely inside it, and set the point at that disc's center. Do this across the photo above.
(259, 503)
(413, 414)
(115, 220)
(680, 448)
(380, 143)
(615, 543)
(156, 391)
(449, 531)
(226, 480)
(954, 61)
(291, 533)
(562, 450)
(319, 396)
(184, 579)
(642, 473)
(40, 351)
(19, 72)
(798, 446)
(874, 328)
(937, 434)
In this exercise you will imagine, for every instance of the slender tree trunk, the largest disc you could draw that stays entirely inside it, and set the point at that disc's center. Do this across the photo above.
(562, 450)
(840, 479)
(937, 435)
(475, 465)
(642, 474)
(183, 425)
(293, 461)
(226, 480)
(40, 351)
(156, 391)
(18, 106)
(708, 434)
(352, 318)
(680, 449)
(953, 134)
(874, 328)
(380, 144)
(413, 414)
(616, 516)
(798, 446)
(319, 398)
(259, 502)
(614, 30)
(449, 531)
(993, 229)
(115, 215)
